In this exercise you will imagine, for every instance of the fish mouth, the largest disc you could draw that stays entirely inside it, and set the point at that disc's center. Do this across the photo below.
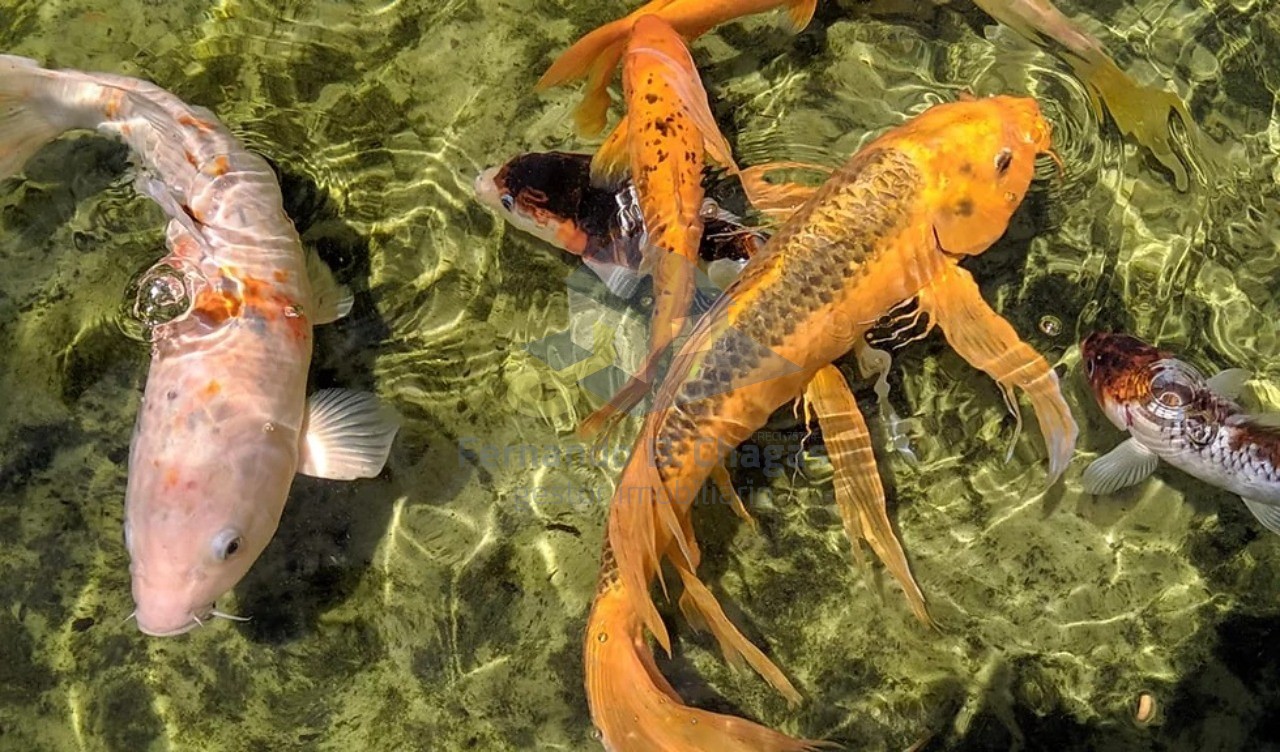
(486, 188)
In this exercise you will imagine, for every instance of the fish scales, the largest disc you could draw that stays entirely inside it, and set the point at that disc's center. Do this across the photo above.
(818, 260)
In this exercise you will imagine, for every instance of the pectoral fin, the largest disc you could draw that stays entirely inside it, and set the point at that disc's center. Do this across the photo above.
(612, 160)
(859, 494)
(1229, 383)
(984, 339)
(800, 13)
(330, 301)
(777, 201)
(1127, 464)
(346, 435)
(1265, 420)
(1267, 514)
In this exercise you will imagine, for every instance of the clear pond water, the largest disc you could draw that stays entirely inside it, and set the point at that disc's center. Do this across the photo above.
(441, 606)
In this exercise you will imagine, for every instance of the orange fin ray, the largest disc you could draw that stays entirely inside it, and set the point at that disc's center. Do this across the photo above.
(703, 611)
(593, 109)
(635, 708)
(724, 484)
(859, 493)
(612, 161)
(989, 343)
(799, 14)
(673, 289)
(632, 534)
(777, 201)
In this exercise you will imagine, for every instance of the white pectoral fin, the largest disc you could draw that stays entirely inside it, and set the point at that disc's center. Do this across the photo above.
(1267, 514)
(1229, 383)
(347, 435)
(1265, 420)
(1122, 467)
(332, 301)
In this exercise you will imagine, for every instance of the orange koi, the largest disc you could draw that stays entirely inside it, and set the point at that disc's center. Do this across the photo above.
(887, 227)
(661, 143)
(596, 55)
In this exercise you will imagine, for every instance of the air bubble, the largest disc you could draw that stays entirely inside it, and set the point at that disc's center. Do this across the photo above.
(160, 295)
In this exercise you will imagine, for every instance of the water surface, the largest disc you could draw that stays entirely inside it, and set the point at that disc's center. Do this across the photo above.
(440, 606)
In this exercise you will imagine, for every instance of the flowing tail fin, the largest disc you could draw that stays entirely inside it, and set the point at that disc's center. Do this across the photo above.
(28, 118)
(637, 710)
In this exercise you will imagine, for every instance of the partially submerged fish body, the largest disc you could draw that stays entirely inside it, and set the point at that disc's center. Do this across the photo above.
(224, 422)
(1173, 413)
(596, 55)
(550, 196)
(887, 227)
(1142, 112)
(661, 145)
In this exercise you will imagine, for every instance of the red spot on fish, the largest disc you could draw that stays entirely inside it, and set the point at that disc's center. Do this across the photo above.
(280, 275)
(218, 166)
(214, 307)
(114, 100)
(211, 389)
(191, 158)
(171, 478)
(196, 123)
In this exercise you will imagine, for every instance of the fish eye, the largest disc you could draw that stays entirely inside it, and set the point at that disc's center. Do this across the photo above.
(508, 201)
(227, 544)
(1004, 158)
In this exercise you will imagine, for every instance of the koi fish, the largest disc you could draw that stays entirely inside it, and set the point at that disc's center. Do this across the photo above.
(1139, 111)
(889, 226)
(661, 144)
(550, 196)
(224, 422)
(596, 55)
(1172, 412)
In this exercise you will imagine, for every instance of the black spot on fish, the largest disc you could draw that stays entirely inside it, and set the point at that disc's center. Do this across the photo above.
(964, 207)
(651, 98)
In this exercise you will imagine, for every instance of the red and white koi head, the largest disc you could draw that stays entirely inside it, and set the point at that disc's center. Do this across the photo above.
(1136, 383)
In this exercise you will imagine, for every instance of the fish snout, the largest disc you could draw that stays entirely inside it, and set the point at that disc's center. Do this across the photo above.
(170, 623)
(486, 188)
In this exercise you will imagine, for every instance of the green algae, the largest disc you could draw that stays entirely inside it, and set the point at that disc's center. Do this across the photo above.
(441, 605)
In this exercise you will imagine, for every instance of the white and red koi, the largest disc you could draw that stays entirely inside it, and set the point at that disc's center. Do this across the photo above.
(224, 423)
(1173, 413)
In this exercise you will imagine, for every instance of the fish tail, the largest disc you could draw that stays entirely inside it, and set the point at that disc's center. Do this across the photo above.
(31, 115)
(577, 61)
(636, 709)
(800, 13)
(702, 610)
(590, 114)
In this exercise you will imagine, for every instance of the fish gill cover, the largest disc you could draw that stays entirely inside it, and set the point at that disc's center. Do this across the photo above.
(441, 605)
